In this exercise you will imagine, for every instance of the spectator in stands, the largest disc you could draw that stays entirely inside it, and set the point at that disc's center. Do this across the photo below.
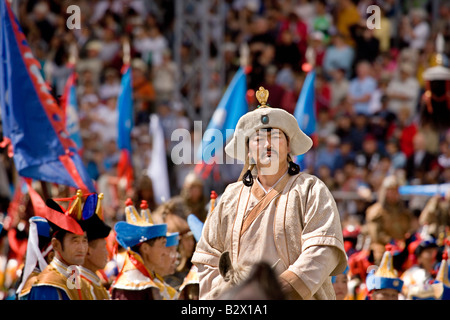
(369, 156)
(347, 16)
(110, 87)
(323, 21)
(388, 219)
(143, 92)
(276, 91)
(421, 165)
(361, 88)
(367, 46)
(338, 56)
(417, 31)
(329, 154)
(403, 91)
(287, 51)
(300, 31)
(339, 87)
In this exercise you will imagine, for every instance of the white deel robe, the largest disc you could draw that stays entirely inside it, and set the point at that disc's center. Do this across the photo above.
(295, 226)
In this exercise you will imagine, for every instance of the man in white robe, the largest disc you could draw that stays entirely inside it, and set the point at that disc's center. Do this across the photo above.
(284, 217)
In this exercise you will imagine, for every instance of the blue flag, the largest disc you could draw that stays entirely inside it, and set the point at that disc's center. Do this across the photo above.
(70, 106)
(305, 111)
(124, 126)
(231, 108)
(33, 122)
(125, 110)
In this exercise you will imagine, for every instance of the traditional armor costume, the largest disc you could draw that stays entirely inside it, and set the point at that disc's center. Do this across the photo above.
(385, 276)
(95, 229)
(135, 280)
(58, 280)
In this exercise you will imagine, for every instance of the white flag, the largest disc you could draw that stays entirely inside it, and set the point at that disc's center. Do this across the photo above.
(157, 170)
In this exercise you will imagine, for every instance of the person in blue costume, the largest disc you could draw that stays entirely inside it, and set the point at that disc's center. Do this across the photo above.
(383, 283)
(61, 279)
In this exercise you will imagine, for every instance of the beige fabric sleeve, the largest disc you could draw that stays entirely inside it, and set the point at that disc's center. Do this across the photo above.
(311, 269)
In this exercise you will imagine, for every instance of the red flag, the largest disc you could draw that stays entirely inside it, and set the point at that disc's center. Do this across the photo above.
(60, 219)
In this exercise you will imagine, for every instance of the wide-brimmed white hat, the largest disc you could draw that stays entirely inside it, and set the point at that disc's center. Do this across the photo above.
(265, 117)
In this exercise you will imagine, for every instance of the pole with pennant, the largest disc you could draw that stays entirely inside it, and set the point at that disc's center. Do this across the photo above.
(125, 118)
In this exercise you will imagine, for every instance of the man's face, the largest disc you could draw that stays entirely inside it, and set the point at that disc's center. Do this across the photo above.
(97, 254)
(267, 149)
(74, 248)
(168, 262)
(427, 258)
(154, 255)
(392, 196)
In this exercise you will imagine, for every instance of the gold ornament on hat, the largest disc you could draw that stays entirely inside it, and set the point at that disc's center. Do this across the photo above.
(262, 95)
(442, 275)
(99, 207)
(386, 268)
(133, 217)
(75, 209)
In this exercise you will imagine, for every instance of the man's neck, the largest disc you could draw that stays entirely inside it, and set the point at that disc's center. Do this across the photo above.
(268, 181)
(60, 259)
(150, 267)
(90, 266)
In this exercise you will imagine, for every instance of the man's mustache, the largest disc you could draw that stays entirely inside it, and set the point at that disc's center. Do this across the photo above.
(265, 153)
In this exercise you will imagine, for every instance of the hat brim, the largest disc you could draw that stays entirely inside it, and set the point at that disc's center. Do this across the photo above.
(374, 282)
(129, 235)
(172, 239)
(60, 221)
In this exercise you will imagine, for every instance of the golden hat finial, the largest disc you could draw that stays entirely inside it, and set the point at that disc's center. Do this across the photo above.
(145, 212)
(75, 209)
(133, 217)
(99, 207)
(386, 268)
(442, 275)
(262, 95)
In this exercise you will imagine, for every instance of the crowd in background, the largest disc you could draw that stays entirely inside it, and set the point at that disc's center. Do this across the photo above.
(368, 89)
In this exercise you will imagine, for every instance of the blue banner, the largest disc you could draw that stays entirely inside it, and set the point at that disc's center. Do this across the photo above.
(32, 120)
(125, 111)
(231, 108)
(305, 111)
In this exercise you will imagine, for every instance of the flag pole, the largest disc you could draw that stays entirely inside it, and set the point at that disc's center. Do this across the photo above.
(73, 55)
(213, 198)
(126, 52)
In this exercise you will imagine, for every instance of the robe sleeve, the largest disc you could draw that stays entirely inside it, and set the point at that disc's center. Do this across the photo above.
(323, 252)
(313, 267)
(208, 251)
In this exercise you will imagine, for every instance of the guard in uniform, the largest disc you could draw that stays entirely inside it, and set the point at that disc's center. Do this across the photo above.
(145, 242)
(97, 255)
(61, 279)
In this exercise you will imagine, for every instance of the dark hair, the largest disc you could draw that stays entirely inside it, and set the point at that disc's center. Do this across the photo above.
(43, 242)
(59, 235)
(150, 242)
